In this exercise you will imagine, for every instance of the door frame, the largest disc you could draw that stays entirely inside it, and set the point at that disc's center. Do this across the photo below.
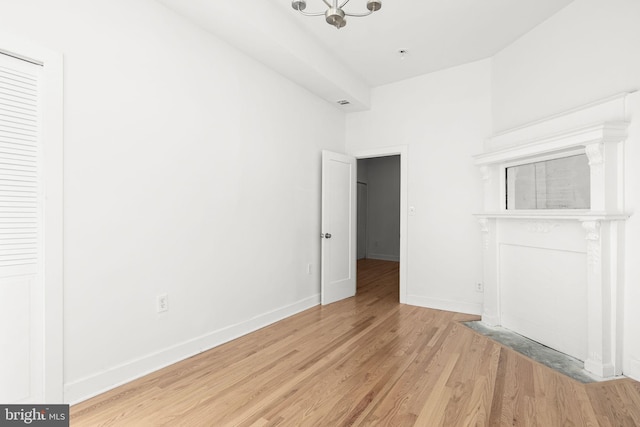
(402, 151)
(52, 195)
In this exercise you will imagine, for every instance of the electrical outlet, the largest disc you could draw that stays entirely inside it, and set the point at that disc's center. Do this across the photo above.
(162, 303)
(479, 287)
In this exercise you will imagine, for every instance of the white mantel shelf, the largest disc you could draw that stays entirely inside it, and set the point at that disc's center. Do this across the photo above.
(541, 215)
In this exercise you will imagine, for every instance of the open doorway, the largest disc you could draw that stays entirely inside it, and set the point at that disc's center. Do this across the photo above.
(339, 224)
(379, 217)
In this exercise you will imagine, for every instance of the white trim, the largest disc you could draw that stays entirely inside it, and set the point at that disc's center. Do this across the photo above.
(402, 151)
(445, 304)
(101, 382)
(549, 156)
(52, 134)
(606, 132)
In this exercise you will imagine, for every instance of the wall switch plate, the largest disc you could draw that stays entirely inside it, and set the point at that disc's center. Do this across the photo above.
(309, 269)
(479, 287)
(162, 303)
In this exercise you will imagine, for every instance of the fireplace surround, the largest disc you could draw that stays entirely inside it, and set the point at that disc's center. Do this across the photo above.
(556, 275)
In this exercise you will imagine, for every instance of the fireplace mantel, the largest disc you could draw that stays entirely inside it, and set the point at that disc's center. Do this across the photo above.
(524, 248)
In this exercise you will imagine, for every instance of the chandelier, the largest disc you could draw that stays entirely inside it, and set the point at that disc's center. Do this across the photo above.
(335, 15)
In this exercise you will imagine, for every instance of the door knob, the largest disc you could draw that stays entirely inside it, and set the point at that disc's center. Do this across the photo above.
(327, 236)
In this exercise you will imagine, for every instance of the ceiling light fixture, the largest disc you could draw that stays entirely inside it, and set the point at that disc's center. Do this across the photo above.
(335, 15)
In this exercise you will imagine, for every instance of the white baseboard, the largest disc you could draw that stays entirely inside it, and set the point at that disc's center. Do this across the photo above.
(446, 305)
(631, 368)
(91, 386)
(384, 257)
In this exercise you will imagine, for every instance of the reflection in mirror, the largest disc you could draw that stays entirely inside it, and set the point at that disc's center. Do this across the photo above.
(561, 183)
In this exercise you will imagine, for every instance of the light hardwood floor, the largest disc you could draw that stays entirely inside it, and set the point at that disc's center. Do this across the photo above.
(364, 361)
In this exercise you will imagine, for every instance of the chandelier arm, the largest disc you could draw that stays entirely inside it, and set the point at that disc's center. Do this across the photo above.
(311, 13)
(343, 3)
(327, 3)
(358, 15)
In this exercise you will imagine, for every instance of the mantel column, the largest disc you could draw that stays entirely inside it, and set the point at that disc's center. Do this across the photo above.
(491, 300)
(602, 295)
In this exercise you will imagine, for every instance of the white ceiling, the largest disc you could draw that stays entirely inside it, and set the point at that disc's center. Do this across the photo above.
(437, 33)
(346, 63)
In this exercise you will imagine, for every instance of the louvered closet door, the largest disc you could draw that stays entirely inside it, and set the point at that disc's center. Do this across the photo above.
(21, 287)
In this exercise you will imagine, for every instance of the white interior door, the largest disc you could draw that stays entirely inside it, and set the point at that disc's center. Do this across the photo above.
(21, 231)
(338, 272)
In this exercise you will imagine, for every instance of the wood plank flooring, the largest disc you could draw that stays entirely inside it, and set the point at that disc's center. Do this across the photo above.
(365, 361)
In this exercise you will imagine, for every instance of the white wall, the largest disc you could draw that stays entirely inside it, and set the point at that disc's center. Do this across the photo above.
(189, 169)
(587, 51)
(443, 118)
(383, 225)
